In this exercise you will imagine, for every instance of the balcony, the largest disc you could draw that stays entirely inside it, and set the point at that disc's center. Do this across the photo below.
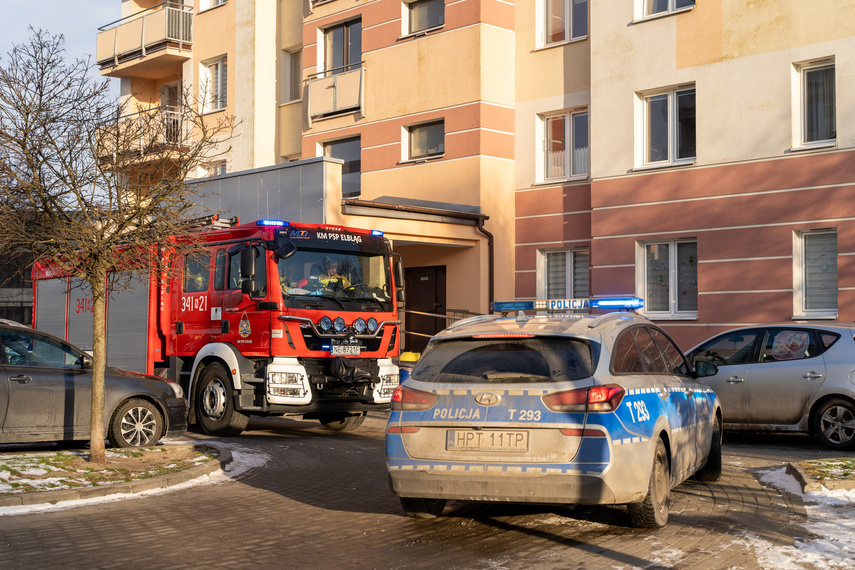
(151, 44)
(150, 134)
(336, 91)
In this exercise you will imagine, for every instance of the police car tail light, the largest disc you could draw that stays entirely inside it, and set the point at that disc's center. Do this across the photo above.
(575, 432)
(403, 429)
(595, 399)
(409, 400)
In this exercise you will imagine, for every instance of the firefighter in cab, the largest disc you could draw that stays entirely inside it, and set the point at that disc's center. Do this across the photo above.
(331, 278)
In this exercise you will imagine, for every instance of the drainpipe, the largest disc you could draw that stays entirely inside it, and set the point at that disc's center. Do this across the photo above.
(476, 219)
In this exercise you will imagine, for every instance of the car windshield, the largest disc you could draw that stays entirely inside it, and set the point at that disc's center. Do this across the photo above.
(505, 361)
(358, 276)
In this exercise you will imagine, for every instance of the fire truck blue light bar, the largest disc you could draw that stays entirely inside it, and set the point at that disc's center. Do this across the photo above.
(278, 223)
(377, 233)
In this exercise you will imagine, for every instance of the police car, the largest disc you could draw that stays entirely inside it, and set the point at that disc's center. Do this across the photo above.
(575, 409)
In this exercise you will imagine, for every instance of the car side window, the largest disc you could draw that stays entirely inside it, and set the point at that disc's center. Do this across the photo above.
(650, 354)
(788, 344)
(674, 360)
(626, 359)
(732, 348)
(23, 349)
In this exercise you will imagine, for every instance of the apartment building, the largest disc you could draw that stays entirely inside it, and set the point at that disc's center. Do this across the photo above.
(720, 173)
(415, 101)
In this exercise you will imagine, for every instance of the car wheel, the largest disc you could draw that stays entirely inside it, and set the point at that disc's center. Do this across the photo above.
(136, 423)
(215, 410)
(711, 471)
(423, 508)
(653, 511)
(834, 424)
(342, 423)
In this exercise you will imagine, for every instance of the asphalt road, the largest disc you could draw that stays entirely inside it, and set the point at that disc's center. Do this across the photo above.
(321, 500)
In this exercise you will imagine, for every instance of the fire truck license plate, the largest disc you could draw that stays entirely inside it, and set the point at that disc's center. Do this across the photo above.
(345, 350)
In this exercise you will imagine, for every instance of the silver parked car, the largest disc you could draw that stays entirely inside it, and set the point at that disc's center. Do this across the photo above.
(575, 410)
(785, 377)
(46, 395)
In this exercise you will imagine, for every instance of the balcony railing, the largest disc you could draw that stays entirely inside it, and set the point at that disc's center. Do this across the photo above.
(155, 129)
(336, 90)
(166, 25)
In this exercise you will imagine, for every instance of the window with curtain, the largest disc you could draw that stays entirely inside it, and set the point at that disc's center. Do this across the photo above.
(816, 270)
(214, 81)
(567, 130)
(426, 140)
(425, 15)
(564, 20)
(669, 278)
(819, 122)
(566, 274)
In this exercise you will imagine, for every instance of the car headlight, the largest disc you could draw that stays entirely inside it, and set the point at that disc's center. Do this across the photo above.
(176, 389)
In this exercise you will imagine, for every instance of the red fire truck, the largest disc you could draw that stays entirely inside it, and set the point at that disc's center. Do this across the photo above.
(269, 318)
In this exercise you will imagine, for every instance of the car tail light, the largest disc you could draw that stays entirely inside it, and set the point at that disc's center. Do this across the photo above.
(410, 400)
(403, 429)
(576, 432)
(594, 399)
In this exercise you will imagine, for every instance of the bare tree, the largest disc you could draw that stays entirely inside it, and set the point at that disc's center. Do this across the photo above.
(91, 186)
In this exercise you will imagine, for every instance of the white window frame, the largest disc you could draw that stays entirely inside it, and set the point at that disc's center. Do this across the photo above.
(210, 4)
(406, 144)
(406, 19)
(542, 15)
(570, 268)
(643, 7)
(214, 84)
(800, 309)
(673, 273)
(290, 59)
(643, 145)
(800, 111)
(216, 168)
(571, 171)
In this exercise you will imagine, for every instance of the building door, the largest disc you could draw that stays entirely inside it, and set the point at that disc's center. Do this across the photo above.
(425, 292)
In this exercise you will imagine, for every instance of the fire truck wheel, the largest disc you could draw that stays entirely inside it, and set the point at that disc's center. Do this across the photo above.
(215, 410)
(342, 423)
(136, 423)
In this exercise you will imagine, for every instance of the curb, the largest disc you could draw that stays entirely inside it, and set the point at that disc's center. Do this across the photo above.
(129, 487)
(810, 483)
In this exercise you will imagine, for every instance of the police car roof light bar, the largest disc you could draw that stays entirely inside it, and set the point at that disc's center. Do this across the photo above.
(617, 303)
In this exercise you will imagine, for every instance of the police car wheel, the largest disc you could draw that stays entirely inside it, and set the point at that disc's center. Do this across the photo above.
(215, 409)
(423, 508)
(653, 511)
(711, 471)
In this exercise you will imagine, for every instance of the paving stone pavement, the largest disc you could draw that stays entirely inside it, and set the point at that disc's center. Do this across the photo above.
(321, 500)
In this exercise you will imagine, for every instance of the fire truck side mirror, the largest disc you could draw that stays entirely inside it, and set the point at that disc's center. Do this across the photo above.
(249, 287)
(399, 283)
(247, 263)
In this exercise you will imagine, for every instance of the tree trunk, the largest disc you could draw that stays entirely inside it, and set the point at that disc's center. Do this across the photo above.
(97, 451)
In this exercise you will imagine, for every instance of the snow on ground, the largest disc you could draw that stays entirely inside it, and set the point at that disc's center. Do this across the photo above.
(244, 459)
(830, 524)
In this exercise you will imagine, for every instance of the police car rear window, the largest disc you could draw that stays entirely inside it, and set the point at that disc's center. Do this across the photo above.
(505, 361)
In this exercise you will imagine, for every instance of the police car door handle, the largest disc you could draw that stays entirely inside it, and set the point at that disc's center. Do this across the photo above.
(734, 379)
(812, 375)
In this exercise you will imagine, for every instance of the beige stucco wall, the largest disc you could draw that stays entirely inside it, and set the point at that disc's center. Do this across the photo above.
(745, 95)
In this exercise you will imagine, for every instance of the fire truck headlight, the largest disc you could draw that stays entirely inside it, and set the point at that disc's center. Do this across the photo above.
(372, 325)
(359, 325)
(284, 378)
(326, 324)
(339, 324)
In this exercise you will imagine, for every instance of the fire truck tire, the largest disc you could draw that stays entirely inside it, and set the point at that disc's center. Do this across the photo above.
(215, 410)
(342, 423)
(136, 423)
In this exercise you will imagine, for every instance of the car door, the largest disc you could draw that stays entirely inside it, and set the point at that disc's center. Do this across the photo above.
(733, 353)
(789, 371)
(49, 392)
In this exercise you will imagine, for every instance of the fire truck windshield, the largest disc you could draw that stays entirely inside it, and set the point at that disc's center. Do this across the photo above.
(344, 276)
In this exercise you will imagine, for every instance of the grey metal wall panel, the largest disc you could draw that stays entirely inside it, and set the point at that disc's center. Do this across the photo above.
(248, 206)
(80, 314)
(127, 327)
(51, 305)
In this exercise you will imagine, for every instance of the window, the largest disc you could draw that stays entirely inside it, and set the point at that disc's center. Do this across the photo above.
(818, 106)
(350, 151)
(668, 276)
(815, 274)
(560, 132)
(234, 279)
(217, 168)
(669, 127)
(292, 76)
(424, 15)
(564, 20)
(343, 47)
(213, 84)
(426, 140)
(196, 273)
(208, 4)
(564, 274)
(652, 7)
